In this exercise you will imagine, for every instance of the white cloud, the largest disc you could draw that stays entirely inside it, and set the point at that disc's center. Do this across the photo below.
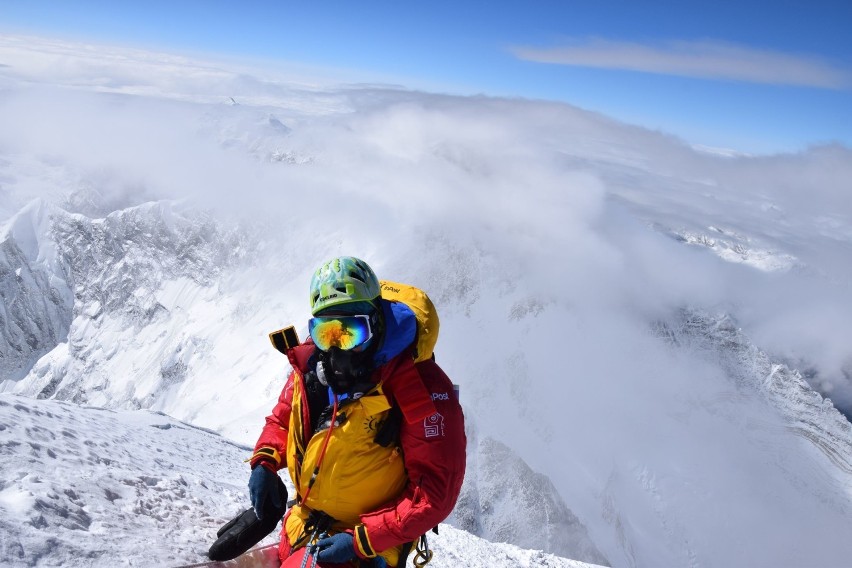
(703, 59)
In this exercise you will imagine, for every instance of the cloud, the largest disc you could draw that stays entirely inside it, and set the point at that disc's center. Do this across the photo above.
(702, 59)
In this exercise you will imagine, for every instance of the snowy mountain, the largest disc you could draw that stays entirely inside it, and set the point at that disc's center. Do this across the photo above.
(504, 500)
(651, 342)
(37, 300)
(111, 268)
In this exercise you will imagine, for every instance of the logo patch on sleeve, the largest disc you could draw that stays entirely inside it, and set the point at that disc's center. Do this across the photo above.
(434, 426)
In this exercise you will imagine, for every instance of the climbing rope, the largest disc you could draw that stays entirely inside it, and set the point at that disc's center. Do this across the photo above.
(422, 554)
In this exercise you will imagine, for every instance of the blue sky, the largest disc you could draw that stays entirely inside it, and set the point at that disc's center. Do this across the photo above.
(751, 75)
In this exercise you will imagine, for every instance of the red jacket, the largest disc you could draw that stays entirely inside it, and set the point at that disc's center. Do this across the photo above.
(432, 440)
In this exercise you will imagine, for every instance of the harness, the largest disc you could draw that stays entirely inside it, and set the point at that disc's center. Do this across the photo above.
(316, 528)
(329, 416)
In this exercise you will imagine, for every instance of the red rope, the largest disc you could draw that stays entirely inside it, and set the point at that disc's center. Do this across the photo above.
(322, 452)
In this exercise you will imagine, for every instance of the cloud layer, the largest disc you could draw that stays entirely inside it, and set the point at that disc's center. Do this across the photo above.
(702, 59)
(528, 180)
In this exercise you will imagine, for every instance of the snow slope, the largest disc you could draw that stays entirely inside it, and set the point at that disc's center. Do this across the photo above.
(84, 486)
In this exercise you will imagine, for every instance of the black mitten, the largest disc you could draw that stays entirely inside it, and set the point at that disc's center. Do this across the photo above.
(245, 530)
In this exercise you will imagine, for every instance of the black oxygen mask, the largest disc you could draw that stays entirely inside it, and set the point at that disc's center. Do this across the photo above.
(345, 372)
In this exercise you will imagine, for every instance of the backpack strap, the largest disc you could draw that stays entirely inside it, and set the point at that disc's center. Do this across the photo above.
(284, 339)
(409, 392)
(388, 434)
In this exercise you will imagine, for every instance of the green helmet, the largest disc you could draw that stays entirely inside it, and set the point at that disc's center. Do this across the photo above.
(343, 280)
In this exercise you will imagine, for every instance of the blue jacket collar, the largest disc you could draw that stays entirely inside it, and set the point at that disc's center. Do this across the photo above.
(400, 331)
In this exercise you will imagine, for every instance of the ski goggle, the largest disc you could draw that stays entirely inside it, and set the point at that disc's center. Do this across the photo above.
(344, 332)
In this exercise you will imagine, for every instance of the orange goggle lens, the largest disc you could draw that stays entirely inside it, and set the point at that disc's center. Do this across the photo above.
(344, 332)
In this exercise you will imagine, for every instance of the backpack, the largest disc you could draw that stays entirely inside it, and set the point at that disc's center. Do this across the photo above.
(424, 310)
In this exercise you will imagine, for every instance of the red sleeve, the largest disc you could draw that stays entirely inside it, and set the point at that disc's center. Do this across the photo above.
(271, 447)
(434, 452)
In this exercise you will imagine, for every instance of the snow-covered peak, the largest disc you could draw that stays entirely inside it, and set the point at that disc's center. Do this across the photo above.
(732, 247)
(31, 229)
(34, 285)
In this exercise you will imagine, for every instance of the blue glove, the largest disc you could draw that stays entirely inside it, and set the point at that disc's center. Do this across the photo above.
(263, 485)
(336, 549)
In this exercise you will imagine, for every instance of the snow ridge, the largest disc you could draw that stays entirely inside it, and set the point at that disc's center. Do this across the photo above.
(113, 267)
(85, 486)
(806, 413)
(35, 315)
(503, 500)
